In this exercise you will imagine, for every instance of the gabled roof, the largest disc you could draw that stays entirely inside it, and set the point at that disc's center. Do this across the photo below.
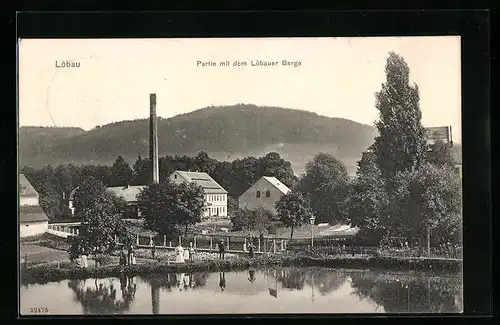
(276, 183)
(204, 180)
(32, 214)
(25, 187)
(128, 193)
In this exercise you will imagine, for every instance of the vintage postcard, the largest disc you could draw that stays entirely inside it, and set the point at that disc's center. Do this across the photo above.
(240, 176)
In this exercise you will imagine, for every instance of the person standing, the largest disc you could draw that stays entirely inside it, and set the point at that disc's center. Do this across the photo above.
(131, 257)
(123, 257)
(250, 250)
(191, 251)
(222, 250)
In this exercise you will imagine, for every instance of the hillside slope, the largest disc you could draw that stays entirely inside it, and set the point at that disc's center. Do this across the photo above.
(226, 133)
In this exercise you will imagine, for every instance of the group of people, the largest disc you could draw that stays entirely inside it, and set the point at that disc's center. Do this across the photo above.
(182, 255)
(127, 258)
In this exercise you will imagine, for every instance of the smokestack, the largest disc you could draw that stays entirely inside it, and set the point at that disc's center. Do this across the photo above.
(153, 138)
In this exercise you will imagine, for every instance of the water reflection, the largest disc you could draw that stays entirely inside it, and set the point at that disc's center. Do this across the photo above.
(222, 281)
(406, 294)
(290, 290)
(251, 276)
(101, 297)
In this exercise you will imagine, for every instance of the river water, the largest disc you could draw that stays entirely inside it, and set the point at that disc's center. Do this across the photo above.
(282, 290)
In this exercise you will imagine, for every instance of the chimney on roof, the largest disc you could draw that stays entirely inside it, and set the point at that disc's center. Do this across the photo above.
(153, 138)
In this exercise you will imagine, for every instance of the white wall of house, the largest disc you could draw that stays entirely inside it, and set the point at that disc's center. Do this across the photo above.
(27, 229)
(261, 194)
(28, 200)
(215, 205)
(176, 178)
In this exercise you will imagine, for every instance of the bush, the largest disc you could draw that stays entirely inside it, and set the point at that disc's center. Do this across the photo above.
(75, 247)
(103, 259)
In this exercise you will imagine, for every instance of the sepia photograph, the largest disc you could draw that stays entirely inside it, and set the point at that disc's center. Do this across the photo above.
(196, 176)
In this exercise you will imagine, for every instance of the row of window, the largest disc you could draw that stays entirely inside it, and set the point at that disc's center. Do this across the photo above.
(216, 198)
(216, 210)
(268, 194)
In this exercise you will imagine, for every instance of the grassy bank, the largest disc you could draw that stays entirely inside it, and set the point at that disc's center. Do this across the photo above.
(50, 272)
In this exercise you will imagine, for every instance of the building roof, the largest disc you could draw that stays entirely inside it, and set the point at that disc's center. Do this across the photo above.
(25, 187)
(72, 194)
(276, 183)
(204, 180)
(128, 193)
(32, 214)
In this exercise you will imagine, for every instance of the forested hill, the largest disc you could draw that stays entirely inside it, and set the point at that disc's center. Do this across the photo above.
(226, 133)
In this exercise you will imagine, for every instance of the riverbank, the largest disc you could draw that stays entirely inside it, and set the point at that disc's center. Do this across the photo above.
(55, 272)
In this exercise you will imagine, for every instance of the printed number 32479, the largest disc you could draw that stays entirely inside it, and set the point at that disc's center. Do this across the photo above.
(39, 310)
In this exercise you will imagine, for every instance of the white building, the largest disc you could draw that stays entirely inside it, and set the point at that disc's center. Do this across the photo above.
(32, 219)
(264, 193)
(215, 195)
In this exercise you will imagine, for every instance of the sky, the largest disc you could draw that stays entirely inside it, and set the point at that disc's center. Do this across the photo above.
(337, 77)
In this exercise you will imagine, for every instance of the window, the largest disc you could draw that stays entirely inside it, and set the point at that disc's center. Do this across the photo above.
(258, 194)
(268, 193)
(175, 176)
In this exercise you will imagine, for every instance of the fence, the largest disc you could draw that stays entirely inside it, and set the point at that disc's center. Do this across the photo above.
(63, 230)
(206, 242)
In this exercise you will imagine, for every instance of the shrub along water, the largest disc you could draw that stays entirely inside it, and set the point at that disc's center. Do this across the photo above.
(48, 272)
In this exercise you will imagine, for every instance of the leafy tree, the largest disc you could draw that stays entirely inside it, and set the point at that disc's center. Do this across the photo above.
(367, 201)
(190, 204)
(165, 168)
(100, 213)
(261, 220)
(294, 210)
(204, 163)
(156, 204)
(63, 179)
(167, 206)
(141, 171)
(244, 173)
(99, 172)
(121, 172)
(440, 154)
(50, 201)
(325, 183)
(232, 206)
(400, 145)
(242, 219)
(75, 247)
(428, 199)
(252, 220)
(274, 166)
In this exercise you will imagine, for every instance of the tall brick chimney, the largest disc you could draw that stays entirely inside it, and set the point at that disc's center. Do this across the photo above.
(153, 138)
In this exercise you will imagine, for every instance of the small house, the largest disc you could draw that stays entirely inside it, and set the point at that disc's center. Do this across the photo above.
(127, 193)
(265, 193)
(32, 219)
